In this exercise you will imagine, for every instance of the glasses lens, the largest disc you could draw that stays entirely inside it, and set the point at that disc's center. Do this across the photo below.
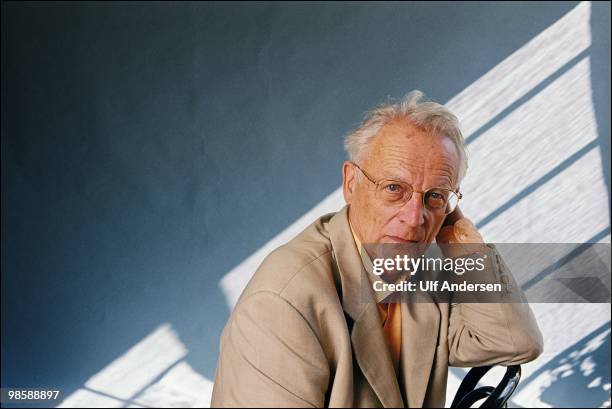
(441, 201)
(393, 191)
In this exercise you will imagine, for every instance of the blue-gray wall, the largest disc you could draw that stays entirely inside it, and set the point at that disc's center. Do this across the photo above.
(147, 149)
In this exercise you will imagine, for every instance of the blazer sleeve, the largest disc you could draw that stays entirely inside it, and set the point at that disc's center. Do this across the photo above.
(270, 357)
(494, 333)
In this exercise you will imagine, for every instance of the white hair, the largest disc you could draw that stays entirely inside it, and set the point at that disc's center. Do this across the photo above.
(429, 116)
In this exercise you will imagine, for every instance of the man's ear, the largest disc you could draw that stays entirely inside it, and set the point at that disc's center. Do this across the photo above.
(349, 180)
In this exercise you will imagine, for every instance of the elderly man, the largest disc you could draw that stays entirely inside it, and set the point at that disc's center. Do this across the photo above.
(303, 333)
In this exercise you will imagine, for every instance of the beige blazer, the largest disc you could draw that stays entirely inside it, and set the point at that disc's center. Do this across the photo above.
(305, 334)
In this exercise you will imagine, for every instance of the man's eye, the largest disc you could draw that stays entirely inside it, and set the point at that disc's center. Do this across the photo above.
(393, 188)
(435, 200)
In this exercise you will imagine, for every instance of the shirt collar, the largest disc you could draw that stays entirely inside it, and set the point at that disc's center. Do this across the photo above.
(379, 296)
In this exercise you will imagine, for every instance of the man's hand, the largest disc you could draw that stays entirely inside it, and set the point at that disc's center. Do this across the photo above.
(457, 229)
(457, 214)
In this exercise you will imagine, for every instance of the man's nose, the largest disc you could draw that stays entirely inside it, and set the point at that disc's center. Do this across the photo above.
(412, 212)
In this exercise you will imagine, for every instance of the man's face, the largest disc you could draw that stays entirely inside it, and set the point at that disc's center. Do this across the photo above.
(403, 152)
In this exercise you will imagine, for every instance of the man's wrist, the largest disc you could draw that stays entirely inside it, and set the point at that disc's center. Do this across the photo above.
(459, 239)
(453, 217)
(461, 231)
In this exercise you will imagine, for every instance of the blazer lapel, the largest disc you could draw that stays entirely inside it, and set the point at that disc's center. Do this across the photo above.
(367, 338)
(374, 358)
(420, 332)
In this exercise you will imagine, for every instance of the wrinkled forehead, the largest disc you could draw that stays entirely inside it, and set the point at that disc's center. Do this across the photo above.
(402, 150)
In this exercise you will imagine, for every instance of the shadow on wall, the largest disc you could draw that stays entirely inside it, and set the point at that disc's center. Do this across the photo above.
(600, 85)
(577, 377)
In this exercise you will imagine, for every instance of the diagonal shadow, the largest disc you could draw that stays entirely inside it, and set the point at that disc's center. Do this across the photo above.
(533, 92)
(125, 402)
(566, 259)
(538, 183)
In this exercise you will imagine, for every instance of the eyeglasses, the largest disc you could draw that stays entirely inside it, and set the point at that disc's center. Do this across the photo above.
(397, 193)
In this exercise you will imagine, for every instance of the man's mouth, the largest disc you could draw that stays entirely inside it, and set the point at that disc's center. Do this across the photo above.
(396, 239)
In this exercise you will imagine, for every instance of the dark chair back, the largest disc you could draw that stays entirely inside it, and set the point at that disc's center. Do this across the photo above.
(496, 397)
